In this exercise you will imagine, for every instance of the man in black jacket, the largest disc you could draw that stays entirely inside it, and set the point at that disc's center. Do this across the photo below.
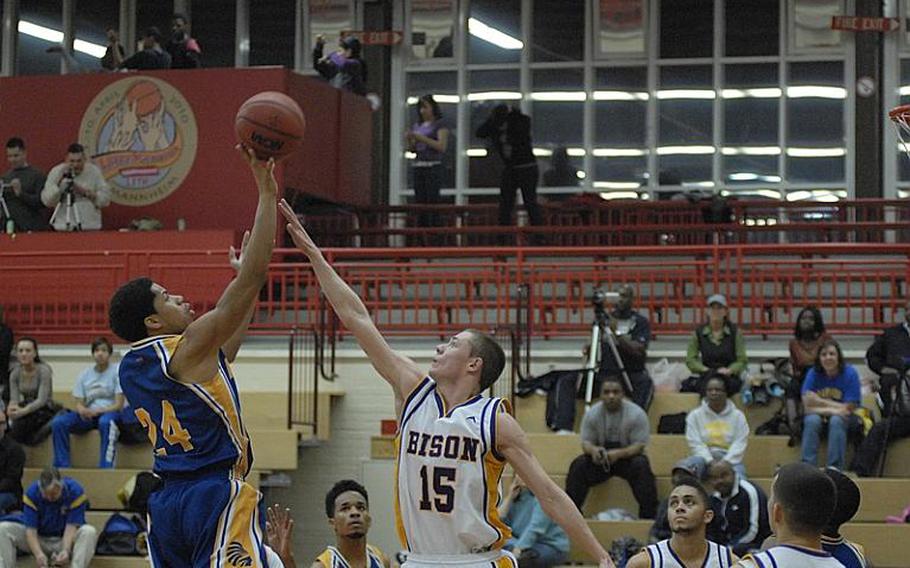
(509, 132)
(889, 357)
(6, 349)
(744, 506)
(12, 462)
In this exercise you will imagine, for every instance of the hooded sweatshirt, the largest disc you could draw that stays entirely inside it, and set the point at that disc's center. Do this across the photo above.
(714, 435)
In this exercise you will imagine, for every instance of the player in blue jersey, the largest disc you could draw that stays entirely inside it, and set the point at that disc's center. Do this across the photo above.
(178, 379)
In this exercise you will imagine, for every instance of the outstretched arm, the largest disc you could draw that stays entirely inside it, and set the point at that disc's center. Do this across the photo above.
(513, 445)
(232, 345)
(196, 358)
(398, 370)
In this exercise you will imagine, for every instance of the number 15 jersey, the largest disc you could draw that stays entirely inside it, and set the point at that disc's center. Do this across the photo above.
(448, 474)
(191, 426)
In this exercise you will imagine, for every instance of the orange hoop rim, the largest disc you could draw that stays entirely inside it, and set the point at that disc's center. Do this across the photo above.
(900, 113)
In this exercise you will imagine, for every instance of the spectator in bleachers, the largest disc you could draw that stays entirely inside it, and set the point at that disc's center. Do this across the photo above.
(184, 50)
(31, 385)
(716, 429)
(744, 507)
(850, 554)
(98, 404)
(151, 56)
(344, 68)
(537, 541)
(6, 350)
(12, 462)
(428, 138)
(90, 192)
(808, 337)
(54, 529)
(660, 530)
(830, 393)
(114, 52)
(614, 434)
(22, 185)
(894, 426)
(717, 346)
(889, 358)
(561, 173)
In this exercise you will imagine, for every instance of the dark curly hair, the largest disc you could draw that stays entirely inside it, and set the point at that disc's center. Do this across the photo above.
(817, 331)
(343, 486)
(130, 305)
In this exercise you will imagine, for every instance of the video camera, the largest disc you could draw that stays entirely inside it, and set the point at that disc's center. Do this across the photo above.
(600, 297)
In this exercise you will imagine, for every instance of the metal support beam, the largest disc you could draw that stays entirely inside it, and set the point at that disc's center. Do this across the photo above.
(300, 36)
(128, 26)
(868, 106)
(242, 39)
(67, 63)
(10, 42)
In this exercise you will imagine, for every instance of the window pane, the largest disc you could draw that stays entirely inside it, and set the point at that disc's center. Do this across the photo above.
(685, 111)
(686, 28)
(619, 27)
(812, 23)
(151, 13)
(488, 89)
(494, 31)
(558, 30)
(32, 57)
(432, 28)
(272, 32)
(215, 26)
(620, 141)
(752, 28)
(444, 88)
(93, 17)
(903, 162)
(330, 18)
(815, 116)
(557, 110)
(751, 110)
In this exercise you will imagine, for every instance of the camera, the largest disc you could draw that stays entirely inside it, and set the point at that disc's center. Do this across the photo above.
(601, 297)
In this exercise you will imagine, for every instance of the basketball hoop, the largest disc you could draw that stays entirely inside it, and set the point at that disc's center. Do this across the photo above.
(900, 117)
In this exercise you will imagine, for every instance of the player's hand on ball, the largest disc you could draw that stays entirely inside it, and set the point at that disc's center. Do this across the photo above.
(235, 257)
(263, 170)
(297, 232)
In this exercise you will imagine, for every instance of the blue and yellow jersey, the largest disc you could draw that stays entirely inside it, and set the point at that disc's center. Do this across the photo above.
(190, 426)
(331, 557)
(51, 517)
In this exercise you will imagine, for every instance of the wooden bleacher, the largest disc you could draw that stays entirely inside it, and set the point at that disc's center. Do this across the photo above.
(881, 497)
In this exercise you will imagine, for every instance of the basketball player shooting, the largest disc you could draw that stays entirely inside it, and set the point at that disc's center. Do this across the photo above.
(453, 442)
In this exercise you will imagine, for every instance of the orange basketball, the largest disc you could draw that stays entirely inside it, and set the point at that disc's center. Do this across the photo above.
(271, 124)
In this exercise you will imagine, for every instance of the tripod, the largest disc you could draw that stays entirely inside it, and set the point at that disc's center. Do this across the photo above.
(73, 219)
(901, 389)
(601, 329)
(4, 210)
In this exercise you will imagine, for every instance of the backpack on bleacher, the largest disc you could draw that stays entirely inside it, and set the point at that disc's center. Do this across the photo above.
(122, 536)
(134, 495)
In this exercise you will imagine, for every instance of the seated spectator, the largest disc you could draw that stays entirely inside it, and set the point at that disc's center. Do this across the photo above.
(717, 346)
(344, 68)
(895, 426)
(347, 507)
(889, 358)
(537, 541)
(114, 52)
(561, 173)
(694, 471)
(184, 50)
(830, 393)
(12, 462)
(850, 554)
(614, 434)
(716, 429)
(152, 56)
(808, 338)
(30, 384)
(744, 507)
(6, 349)
(22, 185)
(54, 529)
(98, 404)
(87, 186)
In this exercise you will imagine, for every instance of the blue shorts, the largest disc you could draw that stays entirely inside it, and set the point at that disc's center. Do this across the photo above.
(209, 521)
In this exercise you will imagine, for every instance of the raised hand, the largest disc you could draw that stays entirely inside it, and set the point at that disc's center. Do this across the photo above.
(235, 257)
(263, 170)
(298, 234)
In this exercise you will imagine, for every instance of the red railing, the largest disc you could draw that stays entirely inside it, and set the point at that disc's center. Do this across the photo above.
(859, 287)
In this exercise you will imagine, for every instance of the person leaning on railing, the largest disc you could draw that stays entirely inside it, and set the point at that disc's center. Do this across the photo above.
(716, 347)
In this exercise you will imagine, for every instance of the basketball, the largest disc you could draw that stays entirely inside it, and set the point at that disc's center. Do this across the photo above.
(271, 124)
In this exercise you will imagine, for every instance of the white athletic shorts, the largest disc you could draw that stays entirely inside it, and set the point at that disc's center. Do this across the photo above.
(492, 559)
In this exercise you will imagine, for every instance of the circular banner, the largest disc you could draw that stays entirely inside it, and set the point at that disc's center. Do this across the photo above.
(142, 133)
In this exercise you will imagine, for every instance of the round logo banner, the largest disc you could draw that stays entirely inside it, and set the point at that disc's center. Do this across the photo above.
(142, 133)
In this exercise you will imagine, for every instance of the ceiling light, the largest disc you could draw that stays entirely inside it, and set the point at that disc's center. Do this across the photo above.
(54, 36)
(490, 34)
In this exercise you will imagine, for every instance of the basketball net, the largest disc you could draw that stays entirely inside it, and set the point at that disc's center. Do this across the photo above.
(900, 118)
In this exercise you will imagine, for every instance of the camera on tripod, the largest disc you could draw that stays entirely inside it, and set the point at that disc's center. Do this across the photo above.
(600, 298)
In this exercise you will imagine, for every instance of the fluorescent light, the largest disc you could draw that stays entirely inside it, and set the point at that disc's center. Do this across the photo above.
(476, 152)
(559, 96)
(542, 152)
(408, 155)
(490, 34)
(620, 96)
(495, 96)
(669, 94)
(616, 185)
(575, 152)
(816, 152)
(55, 36)
(743, 176)
(904, 90)
(817, 92)
(698, 184)
(618, 152)
(680, 150)
(757, 93)
(827, 195)
(751, 150)
(619, 195)
(441, 99)
(580, 174)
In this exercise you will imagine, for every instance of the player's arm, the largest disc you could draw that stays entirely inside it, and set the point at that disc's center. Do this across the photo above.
(745, 562)
(317, 564)
(399, 371)
(640, 560)
(195, 360)
(512, 443)
(232, 346)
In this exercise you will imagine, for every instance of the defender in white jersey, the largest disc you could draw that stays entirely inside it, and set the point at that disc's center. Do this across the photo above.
(689, 513)
(801, 502)
(452, 443)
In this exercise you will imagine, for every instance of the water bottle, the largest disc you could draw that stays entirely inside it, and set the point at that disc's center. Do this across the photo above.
(10, 227)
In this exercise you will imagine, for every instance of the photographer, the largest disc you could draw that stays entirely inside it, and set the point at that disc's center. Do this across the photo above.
(22, 190)
(78, 191)
(184, 50)
(632, 332)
